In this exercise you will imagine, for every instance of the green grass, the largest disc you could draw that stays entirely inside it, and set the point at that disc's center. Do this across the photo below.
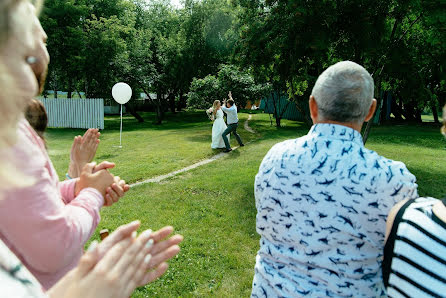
(213, 206)
(427, 118)
(148, 150)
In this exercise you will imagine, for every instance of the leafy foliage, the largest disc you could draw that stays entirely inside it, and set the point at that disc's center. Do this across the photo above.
(204, 91)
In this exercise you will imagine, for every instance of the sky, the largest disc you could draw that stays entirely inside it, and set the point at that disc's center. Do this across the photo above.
(175, 3)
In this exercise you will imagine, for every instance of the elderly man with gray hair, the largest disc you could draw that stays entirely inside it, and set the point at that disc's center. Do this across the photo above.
(322, 199)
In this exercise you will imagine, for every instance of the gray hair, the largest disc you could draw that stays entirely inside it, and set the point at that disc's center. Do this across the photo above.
(344, 93)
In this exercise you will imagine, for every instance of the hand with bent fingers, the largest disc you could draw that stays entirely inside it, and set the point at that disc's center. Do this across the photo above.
(119, 264)
(116, 190)
(83, 151)
(91, 177)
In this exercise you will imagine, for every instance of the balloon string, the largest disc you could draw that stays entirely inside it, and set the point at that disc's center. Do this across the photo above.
(120, 131)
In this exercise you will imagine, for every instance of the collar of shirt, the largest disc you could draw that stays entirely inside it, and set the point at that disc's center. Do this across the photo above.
(335, 131)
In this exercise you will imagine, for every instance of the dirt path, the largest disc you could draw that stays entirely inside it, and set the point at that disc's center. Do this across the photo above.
(158, 179)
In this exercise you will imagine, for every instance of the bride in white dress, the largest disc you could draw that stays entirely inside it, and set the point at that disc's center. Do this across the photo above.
(216, 114)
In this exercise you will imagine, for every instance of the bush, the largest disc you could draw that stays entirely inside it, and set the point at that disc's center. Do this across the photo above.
(204, 91)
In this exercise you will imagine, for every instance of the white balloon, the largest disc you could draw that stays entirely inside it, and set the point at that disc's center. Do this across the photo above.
(121, 92)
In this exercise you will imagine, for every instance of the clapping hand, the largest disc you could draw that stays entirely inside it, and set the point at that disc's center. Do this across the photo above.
(119, 264)
(97, 176)
(162, 249)
(83, 151)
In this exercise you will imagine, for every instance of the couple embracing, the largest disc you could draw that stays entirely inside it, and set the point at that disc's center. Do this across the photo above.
(220, 131)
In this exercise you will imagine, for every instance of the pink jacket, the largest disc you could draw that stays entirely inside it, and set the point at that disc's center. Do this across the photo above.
(44, 224)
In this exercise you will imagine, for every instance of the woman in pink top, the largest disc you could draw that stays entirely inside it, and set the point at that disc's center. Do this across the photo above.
(47, 224)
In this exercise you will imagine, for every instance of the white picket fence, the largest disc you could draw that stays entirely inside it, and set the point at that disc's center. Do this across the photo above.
(75, 112)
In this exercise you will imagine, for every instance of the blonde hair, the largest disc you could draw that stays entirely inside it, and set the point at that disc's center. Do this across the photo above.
(214, 108)
(11, 109)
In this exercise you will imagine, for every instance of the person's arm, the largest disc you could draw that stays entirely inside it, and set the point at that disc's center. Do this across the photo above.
(47, 232)
(67, 189)
(391, 217)
(113, 193)
(225, 109)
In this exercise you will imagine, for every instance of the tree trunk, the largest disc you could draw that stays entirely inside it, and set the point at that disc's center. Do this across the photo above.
(277, 121)
(55, 93)
(132, 111)
(172, 102)
(418, 116)
(180, 101)
(69, 88)
(159, 113)
(159, 108)
(369, 124)
(275, 104)
(302, 107)
(267, 108)
(78, 93)
(435, 112)
(396, 111)
(385, 113)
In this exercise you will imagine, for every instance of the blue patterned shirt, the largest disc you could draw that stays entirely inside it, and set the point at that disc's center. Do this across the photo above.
(322, 201)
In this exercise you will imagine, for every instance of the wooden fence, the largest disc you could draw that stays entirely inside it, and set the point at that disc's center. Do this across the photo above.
(75, 112)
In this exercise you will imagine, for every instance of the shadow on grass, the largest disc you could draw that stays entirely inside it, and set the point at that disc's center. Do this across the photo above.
(431, 183)
(178, 120)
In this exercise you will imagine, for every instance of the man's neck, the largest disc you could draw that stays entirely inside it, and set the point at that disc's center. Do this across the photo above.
(355, 126)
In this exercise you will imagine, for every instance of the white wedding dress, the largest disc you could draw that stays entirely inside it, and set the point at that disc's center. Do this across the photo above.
(217, 129)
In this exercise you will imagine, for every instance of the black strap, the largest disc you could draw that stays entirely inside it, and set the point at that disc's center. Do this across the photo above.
(390, 243)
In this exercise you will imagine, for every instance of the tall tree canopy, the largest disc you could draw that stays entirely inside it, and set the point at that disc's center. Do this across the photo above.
(281, 45)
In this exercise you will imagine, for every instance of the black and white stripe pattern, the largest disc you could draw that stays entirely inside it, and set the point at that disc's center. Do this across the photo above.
(415, 253)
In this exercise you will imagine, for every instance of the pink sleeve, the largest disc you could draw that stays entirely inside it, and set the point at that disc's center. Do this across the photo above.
(45, 231)
(67, 189)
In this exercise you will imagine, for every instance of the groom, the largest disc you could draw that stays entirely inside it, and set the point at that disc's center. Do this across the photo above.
(231, 111)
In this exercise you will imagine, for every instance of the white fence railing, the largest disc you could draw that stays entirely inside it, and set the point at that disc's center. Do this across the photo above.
(75, 112)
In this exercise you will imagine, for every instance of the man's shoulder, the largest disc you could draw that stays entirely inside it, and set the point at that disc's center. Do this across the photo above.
(289, 146)
(392, 168)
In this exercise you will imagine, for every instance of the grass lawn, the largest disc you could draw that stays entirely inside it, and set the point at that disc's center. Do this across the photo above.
(148, 150)
(213, 206)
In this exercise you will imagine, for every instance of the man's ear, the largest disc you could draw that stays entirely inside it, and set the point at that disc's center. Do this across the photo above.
(371, 110)
(314, 110)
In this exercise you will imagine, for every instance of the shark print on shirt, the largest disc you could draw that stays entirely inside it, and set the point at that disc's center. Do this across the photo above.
(322, 202)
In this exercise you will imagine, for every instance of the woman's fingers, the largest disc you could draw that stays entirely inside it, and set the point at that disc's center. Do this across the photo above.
(127, 267)
(89, 259)
(162, 233)
(163, 245)
(108, 201)
(104, 166)
(112, 257)
(154, 275)
(119, 234)
(163, 256)
(119, 191)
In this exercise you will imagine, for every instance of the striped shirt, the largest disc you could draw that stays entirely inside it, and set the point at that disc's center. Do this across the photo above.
(415, 253)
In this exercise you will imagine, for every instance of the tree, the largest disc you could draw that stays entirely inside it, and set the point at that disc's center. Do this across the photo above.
(204, 91)
(63, 22)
